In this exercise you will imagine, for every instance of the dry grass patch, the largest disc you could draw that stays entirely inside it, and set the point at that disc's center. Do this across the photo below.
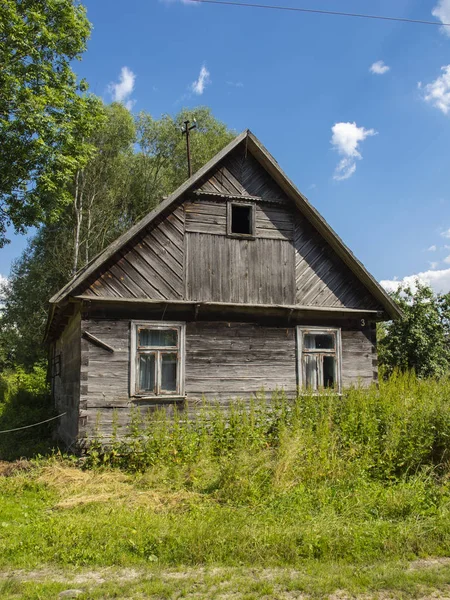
(76, 488)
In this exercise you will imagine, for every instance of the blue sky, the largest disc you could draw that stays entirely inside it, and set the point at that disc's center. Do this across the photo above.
(371, 150)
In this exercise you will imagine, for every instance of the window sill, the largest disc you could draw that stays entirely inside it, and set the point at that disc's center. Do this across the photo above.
(319, 393)
(158, 398)
(242, 236)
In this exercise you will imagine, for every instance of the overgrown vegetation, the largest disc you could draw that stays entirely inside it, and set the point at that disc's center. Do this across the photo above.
(421, 339)
(355, 479)
(25, 399)
(137, 161)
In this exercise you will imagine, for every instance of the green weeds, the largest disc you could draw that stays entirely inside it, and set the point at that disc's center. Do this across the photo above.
(352, 480)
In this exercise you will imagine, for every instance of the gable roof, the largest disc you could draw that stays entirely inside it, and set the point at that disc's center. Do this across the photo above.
(274, 170)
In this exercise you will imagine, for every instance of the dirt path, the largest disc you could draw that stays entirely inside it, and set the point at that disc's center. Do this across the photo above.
(204, 583)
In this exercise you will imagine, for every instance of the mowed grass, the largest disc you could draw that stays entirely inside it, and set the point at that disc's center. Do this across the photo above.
(355, 487)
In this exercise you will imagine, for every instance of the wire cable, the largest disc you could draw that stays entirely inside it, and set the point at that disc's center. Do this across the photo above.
(34, 424)
(321, 12)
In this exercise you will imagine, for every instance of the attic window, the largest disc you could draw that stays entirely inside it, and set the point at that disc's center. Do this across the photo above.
(241, 220)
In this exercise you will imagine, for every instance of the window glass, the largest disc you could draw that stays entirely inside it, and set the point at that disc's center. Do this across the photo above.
(158, 337)
(147, 378)
(329, 371)
(169, 372)
(311, 375)
(319, 366)
(241, 219)
(319, 341)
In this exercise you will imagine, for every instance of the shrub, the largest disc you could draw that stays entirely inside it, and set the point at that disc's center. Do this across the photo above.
(24, 400)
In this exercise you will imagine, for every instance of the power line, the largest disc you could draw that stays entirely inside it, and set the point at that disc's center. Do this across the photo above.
(321, 12)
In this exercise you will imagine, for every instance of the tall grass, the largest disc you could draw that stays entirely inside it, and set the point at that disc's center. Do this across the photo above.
(24, 400)
(385, 433)
(356, 478)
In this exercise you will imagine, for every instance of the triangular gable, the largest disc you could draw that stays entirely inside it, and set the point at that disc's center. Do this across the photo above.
(229, 174)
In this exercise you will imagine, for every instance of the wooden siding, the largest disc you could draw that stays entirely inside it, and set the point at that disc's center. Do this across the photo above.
(151, 268)
(223, 361)
(359, 357)
(222, 269)
(210, 216)
(187, 254)
(66, 386)
(241, 174)
(321, 278)
(226, 360)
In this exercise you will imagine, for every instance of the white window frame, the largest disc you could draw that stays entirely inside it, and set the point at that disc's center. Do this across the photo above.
(301, 330)
(135, 353)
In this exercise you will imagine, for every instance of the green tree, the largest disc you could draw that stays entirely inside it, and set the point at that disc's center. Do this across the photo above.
(46, 119)
(160, 165)
(421, 339)
(121, 182)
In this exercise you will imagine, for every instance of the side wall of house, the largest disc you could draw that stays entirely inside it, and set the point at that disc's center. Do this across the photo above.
(224, 360)
(66, 379)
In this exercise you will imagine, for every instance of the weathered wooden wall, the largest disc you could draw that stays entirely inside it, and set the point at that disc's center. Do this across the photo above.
(187, 255)
(153, 267)
(229, 360)
(66, 386)
(359, 356)
(224, 361)
(321, 278)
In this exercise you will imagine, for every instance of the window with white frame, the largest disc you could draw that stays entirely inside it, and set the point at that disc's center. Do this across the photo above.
(319, 358)
(157, 359)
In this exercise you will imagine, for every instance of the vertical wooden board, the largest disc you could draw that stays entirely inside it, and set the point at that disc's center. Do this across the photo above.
(66, 386)
(224, 269)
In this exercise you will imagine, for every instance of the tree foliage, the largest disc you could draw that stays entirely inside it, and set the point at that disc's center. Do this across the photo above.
(135, 164)
(46, 118)
(421, 339)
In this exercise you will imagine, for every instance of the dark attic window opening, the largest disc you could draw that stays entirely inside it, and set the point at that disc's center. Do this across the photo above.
(241, 220)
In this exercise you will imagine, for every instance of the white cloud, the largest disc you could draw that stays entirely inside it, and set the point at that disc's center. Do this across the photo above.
(437, 92)
(432, 248)
(446, 233)
(198, 86)
(439, 280)
(433, 264)
(447, 260)
(122, 90)
(379, 68)
(237, 84)
(442, 12)
(345, 139)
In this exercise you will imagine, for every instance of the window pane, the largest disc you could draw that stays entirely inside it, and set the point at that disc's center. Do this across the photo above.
(241, 219)
(318, 341)
(169, 372)
(147, 373)
(310, 362)
(329, 363)
(158, 337)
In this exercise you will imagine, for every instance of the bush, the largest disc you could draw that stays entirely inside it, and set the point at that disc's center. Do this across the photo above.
(24, 400)
(385, 433)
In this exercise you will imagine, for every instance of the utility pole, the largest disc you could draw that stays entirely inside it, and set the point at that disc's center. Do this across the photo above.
(187, 128)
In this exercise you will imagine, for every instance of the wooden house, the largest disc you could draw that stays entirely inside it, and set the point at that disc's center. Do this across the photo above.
(232, 284)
